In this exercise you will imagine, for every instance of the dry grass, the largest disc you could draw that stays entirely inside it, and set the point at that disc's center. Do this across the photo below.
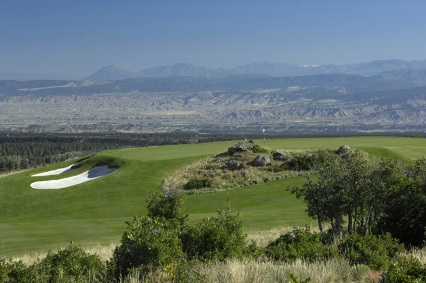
(258, 271)
(252, 271)
(420, 254)
(215, 169)
(237, 271)
(263, 238)
(104, 252)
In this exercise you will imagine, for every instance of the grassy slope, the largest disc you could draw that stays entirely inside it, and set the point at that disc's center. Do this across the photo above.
(95, 212)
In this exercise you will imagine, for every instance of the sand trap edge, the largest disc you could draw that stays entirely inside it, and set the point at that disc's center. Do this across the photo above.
(94, 173)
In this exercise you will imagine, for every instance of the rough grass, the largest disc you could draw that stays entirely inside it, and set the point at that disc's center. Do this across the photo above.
(237, 271)
(94, 213)
(221, 178)
(249, 270)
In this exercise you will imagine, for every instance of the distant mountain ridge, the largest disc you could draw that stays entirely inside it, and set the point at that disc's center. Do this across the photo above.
(392, 100)
(110, 73)
(273, 69)
(397, 79)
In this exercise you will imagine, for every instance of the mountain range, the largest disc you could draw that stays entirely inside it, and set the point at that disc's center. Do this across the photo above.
(374, 97)
(273, 69)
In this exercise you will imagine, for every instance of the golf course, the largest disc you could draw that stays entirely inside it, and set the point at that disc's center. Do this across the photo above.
(95, 212)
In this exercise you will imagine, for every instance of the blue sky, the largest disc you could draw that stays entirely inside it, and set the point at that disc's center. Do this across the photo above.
(73, 38)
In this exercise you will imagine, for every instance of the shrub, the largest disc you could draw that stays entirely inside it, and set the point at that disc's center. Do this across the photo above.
(307, 161)
(300, 243)
(258, 149)
(195, 184)
(253, 251)
(147, 243)
(374, 251)
(71, 264)
(13, 271)
(216, 238)
(168, 205)
(405, 270)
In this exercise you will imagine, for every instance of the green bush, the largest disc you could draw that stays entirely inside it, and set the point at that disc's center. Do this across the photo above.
(168, 205)
(405, 270)
(371, 250)
(258, 149)
(301, 243)
(71, 264)
(147, 243)
(216, 238)
(253, 251)
(195, 184)
(307, 161)
(12, 272)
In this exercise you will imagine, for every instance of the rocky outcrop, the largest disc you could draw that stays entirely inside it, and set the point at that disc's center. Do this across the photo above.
(241, 147)
(280, 156)
(261, 160)
(344, 149)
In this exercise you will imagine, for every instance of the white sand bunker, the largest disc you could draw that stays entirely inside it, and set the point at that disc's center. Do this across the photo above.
(94, 173)
(55, 172)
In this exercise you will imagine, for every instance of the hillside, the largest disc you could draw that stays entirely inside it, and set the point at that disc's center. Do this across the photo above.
(95, 212)
(392, 101)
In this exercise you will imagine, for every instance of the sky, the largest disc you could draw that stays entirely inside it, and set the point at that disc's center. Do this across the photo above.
(74, 38)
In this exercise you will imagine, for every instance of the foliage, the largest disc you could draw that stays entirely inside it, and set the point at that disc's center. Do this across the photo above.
(379, 197)
(404, 209)
(347, 186)
(294, 279)
(374, 251)
(215, 238)
(184, 272)
(307, 161)
(405, 270)
(259, 149)
(147, 243)
(253, 250)
(167, 205)
(12, 272)
(71, 264)
(195, 184)
(300, 243)
(374, 197)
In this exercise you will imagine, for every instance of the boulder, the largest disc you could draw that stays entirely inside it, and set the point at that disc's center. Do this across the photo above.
(280, 156)
(241, 147)
(261, 160)
(232, 165)
(344, 149)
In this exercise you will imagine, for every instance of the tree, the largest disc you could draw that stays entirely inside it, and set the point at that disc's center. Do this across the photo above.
(404, 207)
(341, 188)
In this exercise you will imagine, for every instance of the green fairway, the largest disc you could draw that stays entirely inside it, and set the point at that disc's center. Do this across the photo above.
(95, 212)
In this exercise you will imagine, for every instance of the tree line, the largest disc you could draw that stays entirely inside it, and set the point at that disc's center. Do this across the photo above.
(352, 194)
(23, 151)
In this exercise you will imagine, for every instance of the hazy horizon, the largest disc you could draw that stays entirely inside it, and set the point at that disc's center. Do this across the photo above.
(73, 39)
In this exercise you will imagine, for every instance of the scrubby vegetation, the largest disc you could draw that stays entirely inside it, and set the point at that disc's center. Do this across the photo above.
(370, 215)
(244, 164)
(164, 247)
(302, 244)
